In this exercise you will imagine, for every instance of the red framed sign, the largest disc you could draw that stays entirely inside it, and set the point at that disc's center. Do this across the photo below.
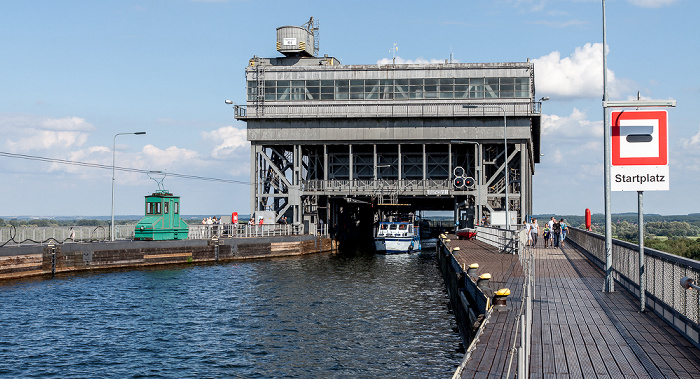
(639, 138)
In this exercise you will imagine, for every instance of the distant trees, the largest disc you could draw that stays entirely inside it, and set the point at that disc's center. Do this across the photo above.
(629, 231)
(684, 247)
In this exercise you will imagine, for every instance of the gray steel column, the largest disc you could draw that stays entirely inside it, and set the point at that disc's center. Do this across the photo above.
(350, 162)
(449, 163)
(400, 161)
(374, 157)
(479, 180)
(425, 164)
(609, 282)
(253, 178)
(325, 165)
(642, 274)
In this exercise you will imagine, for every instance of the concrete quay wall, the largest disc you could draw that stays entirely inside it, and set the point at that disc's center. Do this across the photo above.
(25, 261)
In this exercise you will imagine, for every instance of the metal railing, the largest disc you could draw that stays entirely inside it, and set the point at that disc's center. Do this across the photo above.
(378, 186)
(504, 239)
(243, 230)
(522, 337)
(664, 271)
(525, 107)
(15, 236)
(524, 326)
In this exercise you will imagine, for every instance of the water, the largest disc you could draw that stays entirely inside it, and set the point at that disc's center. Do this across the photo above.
(313, 316)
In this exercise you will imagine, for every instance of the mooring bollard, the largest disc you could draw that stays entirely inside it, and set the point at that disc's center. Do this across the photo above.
(500, 297)
(483, 281)
(471, 271)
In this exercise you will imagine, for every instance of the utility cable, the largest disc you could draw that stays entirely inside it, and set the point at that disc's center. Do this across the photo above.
(108, 167)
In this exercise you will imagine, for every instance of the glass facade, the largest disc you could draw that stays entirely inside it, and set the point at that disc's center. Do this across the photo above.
(390, 89)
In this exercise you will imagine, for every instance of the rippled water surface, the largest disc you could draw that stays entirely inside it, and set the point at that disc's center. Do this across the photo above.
(313, 316)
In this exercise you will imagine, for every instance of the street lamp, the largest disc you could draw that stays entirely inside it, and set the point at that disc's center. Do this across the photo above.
(114, 145)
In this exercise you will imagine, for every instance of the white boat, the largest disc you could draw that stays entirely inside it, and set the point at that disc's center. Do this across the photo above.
(397, 237)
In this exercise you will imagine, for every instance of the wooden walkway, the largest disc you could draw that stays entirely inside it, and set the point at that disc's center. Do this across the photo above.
(578, 331)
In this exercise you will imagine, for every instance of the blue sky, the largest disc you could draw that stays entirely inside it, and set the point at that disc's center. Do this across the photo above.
(75, 73)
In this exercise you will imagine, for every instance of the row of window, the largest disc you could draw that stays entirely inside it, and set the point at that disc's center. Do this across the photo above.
(376, 89)
(153, 208)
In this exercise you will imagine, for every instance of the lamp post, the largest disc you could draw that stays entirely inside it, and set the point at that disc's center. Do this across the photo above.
(114, 145)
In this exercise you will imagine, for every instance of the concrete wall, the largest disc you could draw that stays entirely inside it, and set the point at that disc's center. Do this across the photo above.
(24, 261)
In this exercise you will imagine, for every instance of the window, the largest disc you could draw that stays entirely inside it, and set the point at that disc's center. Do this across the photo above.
(165, 208)
(176, 207)
(389, 89)
(153, 208)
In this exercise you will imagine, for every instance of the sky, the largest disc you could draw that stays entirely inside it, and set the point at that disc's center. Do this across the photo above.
(74, 73)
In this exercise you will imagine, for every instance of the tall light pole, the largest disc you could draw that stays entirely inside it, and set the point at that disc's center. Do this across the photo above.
(114, 146)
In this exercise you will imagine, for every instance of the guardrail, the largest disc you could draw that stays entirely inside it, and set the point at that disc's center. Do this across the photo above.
(380, 186)
(384, 109)
(14, 236)
(504, 239)
(664, 293)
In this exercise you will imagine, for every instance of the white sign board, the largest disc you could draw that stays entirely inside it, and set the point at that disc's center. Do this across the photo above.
(289, 41)
(639, 151)
(499, 218)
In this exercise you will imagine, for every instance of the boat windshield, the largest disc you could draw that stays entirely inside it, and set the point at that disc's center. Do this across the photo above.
(402, 226)
(392, 226)
(383, 226)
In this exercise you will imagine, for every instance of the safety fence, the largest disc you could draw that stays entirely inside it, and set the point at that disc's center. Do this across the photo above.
(14, 236)
(11, 235)
(521, 341)
(524, 317)
(526, 107)
(504, 239)
(663, 272)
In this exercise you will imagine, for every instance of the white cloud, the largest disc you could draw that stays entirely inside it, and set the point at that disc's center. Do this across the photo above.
(228, 140)
(652, 3)
(576, 125)
(577, 76)
(30, 133)
(154, 158)
(693, 142)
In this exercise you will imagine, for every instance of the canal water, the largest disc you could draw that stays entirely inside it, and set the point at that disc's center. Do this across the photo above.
(312, 316)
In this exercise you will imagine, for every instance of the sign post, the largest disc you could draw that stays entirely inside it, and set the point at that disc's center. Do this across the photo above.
(639, 150)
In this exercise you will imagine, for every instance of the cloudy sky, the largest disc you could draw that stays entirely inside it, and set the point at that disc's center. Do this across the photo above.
(75, 73)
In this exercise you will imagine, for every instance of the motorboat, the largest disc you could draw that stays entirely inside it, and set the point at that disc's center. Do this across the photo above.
(397, 237)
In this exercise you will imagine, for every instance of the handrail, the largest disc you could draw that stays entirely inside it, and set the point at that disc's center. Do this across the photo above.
(361, 109)
(11, 236)
(678, 307)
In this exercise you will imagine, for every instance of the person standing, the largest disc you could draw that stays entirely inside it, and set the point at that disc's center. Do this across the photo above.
(551, 231)
(534, 231)
(557, 233)
(528, 232)
(564, 231)
(546, 235)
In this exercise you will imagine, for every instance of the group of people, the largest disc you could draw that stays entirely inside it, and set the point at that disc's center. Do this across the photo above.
(211, 221)
(554, 232)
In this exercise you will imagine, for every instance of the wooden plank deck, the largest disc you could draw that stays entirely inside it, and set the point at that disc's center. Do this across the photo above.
(578, 331)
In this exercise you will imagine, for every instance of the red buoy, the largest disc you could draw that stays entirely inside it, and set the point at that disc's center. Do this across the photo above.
(588, 219)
